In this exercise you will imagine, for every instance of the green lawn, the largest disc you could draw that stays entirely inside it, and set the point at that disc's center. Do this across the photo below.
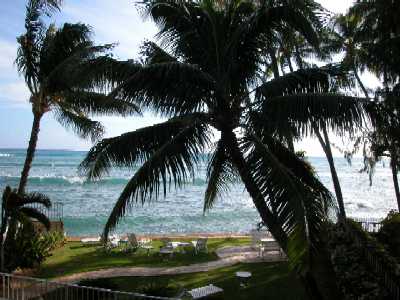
(75, 257)
(268, 281)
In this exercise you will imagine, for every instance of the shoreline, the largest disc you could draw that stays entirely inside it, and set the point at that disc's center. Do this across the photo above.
(192, 235)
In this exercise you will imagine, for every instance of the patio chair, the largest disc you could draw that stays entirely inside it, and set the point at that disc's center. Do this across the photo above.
(204, 291)
(133, 243)
(200, 245)
(271, 246)
(256, 236)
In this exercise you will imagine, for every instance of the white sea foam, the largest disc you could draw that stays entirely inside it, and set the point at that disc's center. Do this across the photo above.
(5, 155)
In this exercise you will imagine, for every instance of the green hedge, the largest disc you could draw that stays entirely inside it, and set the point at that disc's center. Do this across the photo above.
(357, 280)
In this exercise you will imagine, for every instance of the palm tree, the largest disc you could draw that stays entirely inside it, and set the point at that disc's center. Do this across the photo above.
(17, 208)
(56, 64)
(206, 78)
(379, 35)
(293, 47)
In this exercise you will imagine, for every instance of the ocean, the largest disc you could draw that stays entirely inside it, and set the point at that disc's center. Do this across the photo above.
(86, 205)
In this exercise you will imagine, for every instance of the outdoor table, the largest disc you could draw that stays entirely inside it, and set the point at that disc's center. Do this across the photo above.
(167, 252)
(177, 244)
(243, 277)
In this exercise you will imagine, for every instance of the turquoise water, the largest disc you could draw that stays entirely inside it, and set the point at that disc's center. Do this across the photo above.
(87, 205)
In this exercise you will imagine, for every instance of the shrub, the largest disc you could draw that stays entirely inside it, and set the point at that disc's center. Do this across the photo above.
(28, 249)
(355, 278)
(389, 234)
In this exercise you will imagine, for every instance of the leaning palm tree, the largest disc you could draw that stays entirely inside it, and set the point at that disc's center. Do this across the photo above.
(17, 208)
(56, 63)
(205, 77)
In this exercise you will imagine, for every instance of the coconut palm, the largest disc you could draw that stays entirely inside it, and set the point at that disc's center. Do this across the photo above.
(297, 53)
(55, 63)
(206, 78)
(379, 35)
(17, 208)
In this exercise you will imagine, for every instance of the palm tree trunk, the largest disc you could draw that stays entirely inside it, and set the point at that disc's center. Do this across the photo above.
(2, 232)
(30, 152)
(393, 165)
(268, 218)
(326, 146)
(360, 83)
(274, 63)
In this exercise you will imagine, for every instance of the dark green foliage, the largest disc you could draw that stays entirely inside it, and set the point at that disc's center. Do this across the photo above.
(389, 234)
(21, 247)
(27, 249)
(355, 278)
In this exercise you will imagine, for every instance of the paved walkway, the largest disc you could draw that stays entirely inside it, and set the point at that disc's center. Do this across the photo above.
(228, 257)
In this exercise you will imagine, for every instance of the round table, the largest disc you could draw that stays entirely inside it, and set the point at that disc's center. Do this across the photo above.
(243, 278)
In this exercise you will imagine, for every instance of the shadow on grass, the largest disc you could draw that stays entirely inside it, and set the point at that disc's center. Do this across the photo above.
(268, 281)
(75, 258)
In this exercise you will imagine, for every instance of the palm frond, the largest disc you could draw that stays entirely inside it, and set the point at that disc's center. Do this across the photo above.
(79, 123)
(35, 214)
(173, 162)
(34, 198)
(220, 174)
(133, 147)
(307, 112)
(99, 104)
(295, 196)
(170, 88)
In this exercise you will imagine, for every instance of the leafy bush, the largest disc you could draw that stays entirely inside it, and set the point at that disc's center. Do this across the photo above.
(389, 234)
(27, 249)
(354, 277)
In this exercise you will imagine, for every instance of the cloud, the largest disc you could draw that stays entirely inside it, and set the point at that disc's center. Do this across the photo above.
(14, 94)
(112, 21)
(8, 52)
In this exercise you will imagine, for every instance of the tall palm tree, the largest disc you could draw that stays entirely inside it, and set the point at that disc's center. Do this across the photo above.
(379, 35)
(297, 53)
(205, 77)
(17, 208)
(56, 63)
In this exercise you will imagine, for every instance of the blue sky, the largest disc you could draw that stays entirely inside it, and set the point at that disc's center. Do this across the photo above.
(111, 21)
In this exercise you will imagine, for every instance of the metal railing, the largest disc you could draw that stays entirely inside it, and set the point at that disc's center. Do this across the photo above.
(27, 288)
(369, 224)
(54, 213)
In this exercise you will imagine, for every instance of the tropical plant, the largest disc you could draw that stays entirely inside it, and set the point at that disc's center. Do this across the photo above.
(56, 65)
(205, 78)
(298, 54)
(378, 32)
(17, 209)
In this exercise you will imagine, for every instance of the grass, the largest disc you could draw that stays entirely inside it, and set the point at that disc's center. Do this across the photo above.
(268, 281)
(76, 258)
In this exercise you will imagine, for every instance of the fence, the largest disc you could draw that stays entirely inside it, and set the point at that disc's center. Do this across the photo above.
(54, 213)
(369, 224)
(27, 288)
(380, 263)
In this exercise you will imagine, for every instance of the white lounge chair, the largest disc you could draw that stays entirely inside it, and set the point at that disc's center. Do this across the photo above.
(200, 245)
(204, 291)
(91, 241)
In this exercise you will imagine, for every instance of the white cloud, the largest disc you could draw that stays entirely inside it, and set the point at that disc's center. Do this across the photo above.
(112, 21)
(14, 94)
(8, 52)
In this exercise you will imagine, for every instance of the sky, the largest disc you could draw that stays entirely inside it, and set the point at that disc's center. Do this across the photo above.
(112, 22)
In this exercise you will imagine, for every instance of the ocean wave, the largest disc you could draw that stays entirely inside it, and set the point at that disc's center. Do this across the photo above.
(65, 180)
(5, 155)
